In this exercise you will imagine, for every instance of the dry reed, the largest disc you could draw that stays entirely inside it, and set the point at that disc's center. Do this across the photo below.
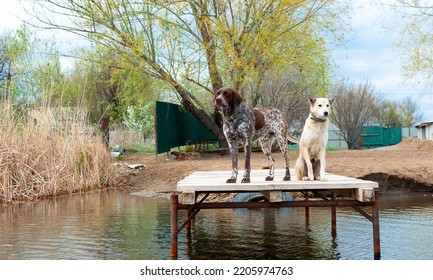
(47, 152)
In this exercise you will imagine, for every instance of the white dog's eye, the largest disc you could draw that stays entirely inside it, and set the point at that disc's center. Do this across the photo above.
(320, 105)
(327, 105)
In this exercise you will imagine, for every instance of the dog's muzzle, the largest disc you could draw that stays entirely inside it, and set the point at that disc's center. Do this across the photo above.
(219, 101)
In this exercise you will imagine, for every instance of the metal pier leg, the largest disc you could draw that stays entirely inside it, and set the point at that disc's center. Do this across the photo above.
(174, 217)
(376, 230)
(334, 217)
(188, 225)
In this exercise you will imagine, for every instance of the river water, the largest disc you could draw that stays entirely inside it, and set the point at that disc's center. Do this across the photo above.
(117, 225)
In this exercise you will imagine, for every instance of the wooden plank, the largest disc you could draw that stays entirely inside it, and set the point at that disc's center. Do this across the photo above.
(215, 181)
(211, 182)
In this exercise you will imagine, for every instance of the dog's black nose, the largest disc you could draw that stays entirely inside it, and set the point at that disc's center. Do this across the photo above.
(325, 113)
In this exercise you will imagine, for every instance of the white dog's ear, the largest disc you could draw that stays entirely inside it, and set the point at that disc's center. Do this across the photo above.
(331, 100)
(311, 100)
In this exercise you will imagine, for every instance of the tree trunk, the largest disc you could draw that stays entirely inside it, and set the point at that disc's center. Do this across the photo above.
(186, 101)
(204, 118)
(203, 22)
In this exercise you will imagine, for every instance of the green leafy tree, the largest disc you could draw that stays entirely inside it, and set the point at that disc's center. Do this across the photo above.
(4, 64)
(411, 111)
(404, 113)
(196, 46)
(141, 118)
(14, 48)
(416, 40)
(30, 66)
(388, 114)
(110, 87)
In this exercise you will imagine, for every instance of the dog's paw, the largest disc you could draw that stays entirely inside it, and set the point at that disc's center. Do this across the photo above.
(231, 180)
(323, 178)
(269, 178)
(246, 180)
(286, 178)
(305, 178)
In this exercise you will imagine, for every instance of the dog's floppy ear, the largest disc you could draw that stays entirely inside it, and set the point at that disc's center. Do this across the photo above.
(312, 100)
(214, 96)
(237, 98)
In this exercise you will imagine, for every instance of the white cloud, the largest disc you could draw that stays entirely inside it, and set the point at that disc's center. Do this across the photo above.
(371, 55)
(8, 15)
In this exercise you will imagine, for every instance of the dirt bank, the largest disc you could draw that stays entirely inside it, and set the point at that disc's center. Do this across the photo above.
(405, 167)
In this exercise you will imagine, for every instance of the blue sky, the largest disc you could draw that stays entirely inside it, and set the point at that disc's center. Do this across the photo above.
(368, 54)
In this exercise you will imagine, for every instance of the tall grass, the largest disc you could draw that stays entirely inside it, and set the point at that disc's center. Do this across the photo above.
(45, 153)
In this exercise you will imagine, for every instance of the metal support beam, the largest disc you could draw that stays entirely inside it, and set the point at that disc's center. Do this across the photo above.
(192, 211)
(265, 204)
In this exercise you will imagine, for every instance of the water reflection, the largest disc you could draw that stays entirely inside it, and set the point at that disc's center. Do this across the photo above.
(262, 234)
(108, 225)
(117, 225)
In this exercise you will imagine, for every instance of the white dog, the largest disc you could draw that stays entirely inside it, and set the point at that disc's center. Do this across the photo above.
(311, 163)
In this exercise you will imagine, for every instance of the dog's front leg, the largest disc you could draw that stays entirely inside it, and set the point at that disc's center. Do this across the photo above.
(233, 146)
(309, 165)
(322, 164)
(247, 147)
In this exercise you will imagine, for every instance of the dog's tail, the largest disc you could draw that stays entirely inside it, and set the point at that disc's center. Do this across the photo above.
(292, 138)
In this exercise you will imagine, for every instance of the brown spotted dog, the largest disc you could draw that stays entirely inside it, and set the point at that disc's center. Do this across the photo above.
(242, 123)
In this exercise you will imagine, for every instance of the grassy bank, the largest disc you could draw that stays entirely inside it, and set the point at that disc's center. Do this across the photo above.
(46, 152)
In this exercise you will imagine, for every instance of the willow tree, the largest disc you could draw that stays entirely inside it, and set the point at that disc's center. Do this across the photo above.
(416, 40)
(197, 46)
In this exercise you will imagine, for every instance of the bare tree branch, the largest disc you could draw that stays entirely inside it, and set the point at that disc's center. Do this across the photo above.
(353, 107)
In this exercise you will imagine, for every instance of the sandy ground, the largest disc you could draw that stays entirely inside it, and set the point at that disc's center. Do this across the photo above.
(407, 166)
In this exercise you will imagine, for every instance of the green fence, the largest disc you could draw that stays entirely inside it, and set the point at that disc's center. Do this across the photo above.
(177, 127)
(377, 136)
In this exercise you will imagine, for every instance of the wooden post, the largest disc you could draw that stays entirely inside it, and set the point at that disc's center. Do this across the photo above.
(174, 217)
(376, 230)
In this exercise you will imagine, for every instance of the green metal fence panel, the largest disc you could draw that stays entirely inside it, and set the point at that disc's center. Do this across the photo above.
(177, 127)
(372, 136)
(377, 136)
(395, 135)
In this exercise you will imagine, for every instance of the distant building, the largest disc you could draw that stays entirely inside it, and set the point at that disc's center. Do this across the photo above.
(425, 130)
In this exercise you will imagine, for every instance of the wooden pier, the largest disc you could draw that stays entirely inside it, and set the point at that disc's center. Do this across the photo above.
(344, 192)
